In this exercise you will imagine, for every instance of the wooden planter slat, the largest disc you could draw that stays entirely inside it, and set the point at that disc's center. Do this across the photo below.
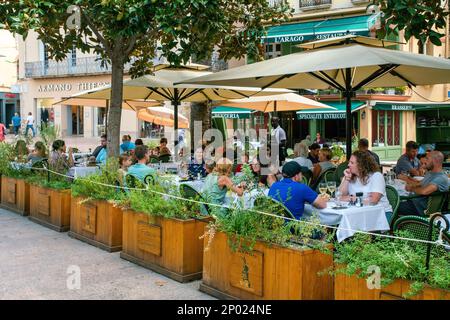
(168, 246)
(268, 272)
(15, 195)
(96, 222)
(354, 288)
(50, 208)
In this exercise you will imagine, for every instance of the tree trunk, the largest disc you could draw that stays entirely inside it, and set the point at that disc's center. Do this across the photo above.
(115, 107)
(200, 112)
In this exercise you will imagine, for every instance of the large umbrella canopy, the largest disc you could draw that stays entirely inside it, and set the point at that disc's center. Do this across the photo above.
(102, 103)
(161, 87)
(344, 64)
(279, 102)
(162, 116)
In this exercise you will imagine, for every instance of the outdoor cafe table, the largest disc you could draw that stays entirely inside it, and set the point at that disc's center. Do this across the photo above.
(351, 219)
(79, 172)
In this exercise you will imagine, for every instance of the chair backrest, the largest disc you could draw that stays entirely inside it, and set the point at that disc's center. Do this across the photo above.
(305, 180)
(131, 181)
(43, 163)
(329, 175)
(306, 173)
(277, 207)
(339, 173)
(394, 200)
(154, 160)
(418, 227)
(189, 192)
(164, 158)
(435, 202)
(149, 180)
(322, 178)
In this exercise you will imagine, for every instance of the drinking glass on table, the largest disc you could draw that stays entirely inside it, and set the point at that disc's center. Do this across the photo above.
(331, 186)
(338, 195)
(323, 188)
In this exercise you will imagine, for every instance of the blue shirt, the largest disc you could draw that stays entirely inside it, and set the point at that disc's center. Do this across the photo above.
(127, 146)
(16, 121)
(140, 170)
(298, 193)
(102, 156)
(404, 164)
(439, 179)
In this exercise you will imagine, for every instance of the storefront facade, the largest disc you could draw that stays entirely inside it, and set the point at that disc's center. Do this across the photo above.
(9, 104)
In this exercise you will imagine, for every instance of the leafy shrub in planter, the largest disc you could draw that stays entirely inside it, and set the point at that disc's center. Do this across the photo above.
(397, 259)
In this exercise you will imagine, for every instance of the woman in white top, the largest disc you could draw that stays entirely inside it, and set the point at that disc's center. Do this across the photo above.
(362, 175)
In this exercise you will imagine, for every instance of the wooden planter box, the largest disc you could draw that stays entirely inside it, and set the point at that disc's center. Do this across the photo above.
(168, 246)
(268, 272)
(15, 195)
(354, 288)
(96, 222)
(50, 208)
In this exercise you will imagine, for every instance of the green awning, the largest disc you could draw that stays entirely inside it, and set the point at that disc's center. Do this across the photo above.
(409, 106)
(321, 114)
(231, 113)
(319, 30)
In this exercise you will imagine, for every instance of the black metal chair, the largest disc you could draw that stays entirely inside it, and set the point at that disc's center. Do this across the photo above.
(164, 158)
(277, 207)
(131, 181)
(322, 178)
(189, 192)
(394, 200)
(435, 202)
(339, 173)
(149, 180)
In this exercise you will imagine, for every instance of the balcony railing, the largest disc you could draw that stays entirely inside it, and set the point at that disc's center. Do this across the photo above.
(274, 3)
(67, 67)
(314, 4)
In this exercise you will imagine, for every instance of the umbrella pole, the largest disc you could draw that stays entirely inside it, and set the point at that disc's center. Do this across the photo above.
(275, 112)
(175, 120)
(106, 116)
(348, 112)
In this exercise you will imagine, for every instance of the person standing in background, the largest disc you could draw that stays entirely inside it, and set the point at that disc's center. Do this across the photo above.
(30, 124)
(2, 132)
(319, 139)
(279, 135)
(16, 120)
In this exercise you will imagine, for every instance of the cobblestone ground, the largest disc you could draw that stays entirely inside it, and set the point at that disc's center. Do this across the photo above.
(34, 264)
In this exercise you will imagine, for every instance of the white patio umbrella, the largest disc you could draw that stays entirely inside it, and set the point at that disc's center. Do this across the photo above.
(279, 102)
(162, 116)
(347, 64)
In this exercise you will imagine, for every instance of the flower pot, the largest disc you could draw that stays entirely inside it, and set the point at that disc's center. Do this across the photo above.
(96, 222)
(269, 271)
(168, 246)
(15, 195)
(354, 288)
(50, 207)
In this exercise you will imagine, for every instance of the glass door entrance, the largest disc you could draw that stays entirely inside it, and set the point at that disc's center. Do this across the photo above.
(77, 120)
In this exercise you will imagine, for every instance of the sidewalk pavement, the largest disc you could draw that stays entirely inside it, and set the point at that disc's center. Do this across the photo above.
(34, 264)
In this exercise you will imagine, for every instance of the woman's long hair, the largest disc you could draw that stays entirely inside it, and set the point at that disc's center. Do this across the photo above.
(366, 165)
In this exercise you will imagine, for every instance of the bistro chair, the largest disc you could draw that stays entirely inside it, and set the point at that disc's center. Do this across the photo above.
(322, 178)
(418, 227)
(164, 158)
(189, 192)
(41, 164)
(394, 200)
(307, 174)
(339, 173)
(277, 207)
(131, 181)
(154, 160)
(435, 202)
(149, 180)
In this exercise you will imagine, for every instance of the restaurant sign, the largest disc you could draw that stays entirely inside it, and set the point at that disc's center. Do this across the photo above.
(311, 37)
(393, 107)
(321, 116)
(229, 115)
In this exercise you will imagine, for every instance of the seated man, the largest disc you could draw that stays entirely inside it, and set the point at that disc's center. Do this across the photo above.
(434, 180)
(163, 149)
(363, 145)
(294, 194)
(140, 169)
(103, 142)
(408, 162)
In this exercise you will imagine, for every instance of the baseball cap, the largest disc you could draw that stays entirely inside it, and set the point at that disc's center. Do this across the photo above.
(291, 168)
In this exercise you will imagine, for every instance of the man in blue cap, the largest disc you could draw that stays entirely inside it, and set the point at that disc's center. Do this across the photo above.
(292, 193)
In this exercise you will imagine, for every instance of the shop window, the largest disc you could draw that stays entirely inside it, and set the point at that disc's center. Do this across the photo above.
(259, 120)
(273, 50)
(385, 128)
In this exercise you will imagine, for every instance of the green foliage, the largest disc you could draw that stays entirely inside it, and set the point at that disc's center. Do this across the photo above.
(397, 259)
(49, 133)
(8, 156)
(337, 151)
(56, 182)
(99, 186)
(422, 20)
(246, 176)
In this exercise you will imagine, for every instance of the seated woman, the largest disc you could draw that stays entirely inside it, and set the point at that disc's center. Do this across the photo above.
(362, 175)
(58, 160)
(219, 182)
(39, 153)
(163, 149)
(324, 163)
(125, 161)
(209, 167)
(264, 179)
(302, 156)
(21, 151)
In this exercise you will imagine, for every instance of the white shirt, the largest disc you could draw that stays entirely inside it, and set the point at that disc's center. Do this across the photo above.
(375, 183)
(304, 162)
(30, 120)
(279, 134)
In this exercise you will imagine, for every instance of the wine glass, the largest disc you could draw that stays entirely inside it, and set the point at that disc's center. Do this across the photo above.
(331, 186)
(322, 188)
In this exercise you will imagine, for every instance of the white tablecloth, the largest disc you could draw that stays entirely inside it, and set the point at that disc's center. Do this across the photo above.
(366, 218)
(79, 172)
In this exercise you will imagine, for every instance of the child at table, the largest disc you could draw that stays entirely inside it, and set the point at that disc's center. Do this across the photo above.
(125, 161)
(362, 175)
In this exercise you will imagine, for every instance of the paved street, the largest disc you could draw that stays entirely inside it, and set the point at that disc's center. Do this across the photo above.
(34, 264)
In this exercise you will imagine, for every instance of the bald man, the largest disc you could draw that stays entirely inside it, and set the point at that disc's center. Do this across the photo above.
(435, 180)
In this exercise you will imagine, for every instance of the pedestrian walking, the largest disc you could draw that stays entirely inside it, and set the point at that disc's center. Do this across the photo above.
(30, 124)
(16, 121)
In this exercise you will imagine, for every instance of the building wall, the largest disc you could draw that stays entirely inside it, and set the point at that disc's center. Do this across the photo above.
(8, 63)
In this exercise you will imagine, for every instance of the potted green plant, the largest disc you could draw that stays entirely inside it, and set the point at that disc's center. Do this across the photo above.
(162, 233)
(249, 255)
(400, 266)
